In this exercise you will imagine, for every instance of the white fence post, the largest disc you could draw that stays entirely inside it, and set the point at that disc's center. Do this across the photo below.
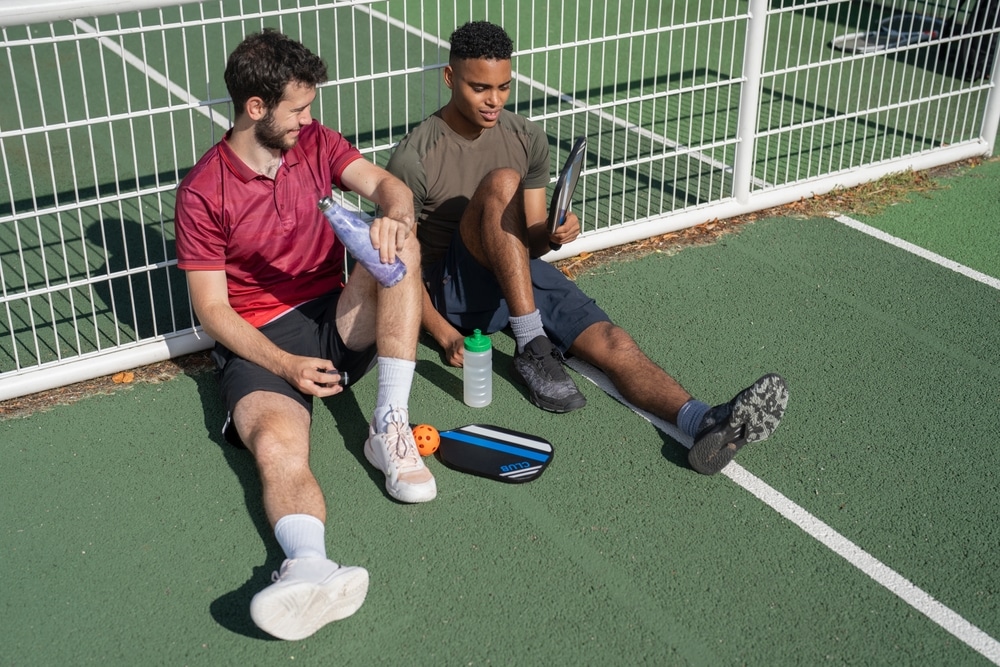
(991, 119)
(746, 134)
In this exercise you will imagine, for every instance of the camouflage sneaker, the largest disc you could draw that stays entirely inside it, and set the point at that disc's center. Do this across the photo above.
(751, 416)
(540, 367)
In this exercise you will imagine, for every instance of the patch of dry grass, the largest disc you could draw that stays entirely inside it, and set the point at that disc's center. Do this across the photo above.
(24, 406)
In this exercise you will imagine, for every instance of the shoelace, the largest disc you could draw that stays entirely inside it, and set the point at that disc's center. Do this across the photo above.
(401, 448)
(276, 574)
(550, 362)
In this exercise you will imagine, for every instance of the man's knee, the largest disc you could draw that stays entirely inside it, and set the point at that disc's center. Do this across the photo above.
(274, 427)
(494, 218)
(410, 254)
(604, 340)
(503, 183)
(617, 338)
(279, 457)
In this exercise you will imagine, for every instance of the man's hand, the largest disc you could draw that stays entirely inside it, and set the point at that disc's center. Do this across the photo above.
(388, 235)
(450, 339)
(454, 349)
(568, 231)
(316, 377)
(389, 232)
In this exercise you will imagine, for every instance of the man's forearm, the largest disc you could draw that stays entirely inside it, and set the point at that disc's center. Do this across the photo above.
(394, 199)
(225, 326)
(538, 239)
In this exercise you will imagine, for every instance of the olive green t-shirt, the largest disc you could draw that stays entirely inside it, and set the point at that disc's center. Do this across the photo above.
(443, 169)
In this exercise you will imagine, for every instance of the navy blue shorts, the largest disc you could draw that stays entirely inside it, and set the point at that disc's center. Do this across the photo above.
(467, 294)
(310, 331)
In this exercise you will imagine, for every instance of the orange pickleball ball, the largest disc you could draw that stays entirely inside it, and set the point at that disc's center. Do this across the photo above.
(427, 439)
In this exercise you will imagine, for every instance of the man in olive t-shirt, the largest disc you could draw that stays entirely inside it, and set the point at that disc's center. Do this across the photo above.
(479, 174)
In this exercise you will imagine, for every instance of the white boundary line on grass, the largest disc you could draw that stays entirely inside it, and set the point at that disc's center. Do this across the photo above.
(155, 75)
(874, 568)
(920, 600)
(917, 250)
(881, 573)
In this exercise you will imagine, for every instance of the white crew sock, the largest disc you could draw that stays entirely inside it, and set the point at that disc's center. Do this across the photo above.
(301, 536)
(395, 377)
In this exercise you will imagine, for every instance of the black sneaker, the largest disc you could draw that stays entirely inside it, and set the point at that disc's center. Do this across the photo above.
(751, 416)
(540, 367)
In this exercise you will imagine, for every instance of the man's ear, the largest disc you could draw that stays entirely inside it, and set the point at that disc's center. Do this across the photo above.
(255, 108)
(449, 75)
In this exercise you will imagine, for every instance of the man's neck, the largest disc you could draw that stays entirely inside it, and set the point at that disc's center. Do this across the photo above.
(459, 124)
(264, 161)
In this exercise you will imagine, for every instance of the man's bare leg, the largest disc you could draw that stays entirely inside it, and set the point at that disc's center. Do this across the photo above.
(640, 381)
(494, 231)
(390, 316)
(311, 590)
(718, 432)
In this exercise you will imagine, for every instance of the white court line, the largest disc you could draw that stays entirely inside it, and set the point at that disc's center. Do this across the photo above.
(934, 610)
(918, 251)
(881, 573)
(154, 75)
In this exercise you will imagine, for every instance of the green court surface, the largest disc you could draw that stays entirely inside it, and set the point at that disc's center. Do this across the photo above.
(864, 532)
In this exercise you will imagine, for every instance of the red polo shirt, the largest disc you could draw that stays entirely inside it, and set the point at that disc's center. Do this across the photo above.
(269, 237)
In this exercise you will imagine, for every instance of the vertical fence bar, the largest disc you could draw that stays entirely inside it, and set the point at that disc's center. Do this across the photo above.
(746, 133)
(991, 119)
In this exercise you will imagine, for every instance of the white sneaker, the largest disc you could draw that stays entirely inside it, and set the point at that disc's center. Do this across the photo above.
(307, 594)
(394, 452)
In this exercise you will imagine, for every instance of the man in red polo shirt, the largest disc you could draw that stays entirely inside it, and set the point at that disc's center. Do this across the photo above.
(265, 273)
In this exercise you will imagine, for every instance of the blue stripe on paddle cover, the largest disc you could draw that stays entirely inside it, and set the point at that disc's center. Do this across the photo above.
(500, 447)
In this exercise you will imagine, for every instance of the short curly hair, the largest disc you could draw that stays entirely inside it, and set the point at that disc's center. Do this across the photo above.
(264, 63)
(481, 39)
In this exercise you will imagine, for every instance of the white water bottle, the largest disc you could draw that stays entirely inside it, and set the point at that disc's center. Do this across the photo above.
(477, 370)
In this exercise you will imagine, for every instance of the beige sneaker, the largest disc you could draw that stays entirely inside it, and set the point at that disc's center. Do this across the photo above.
(394, 452)
(308, 593)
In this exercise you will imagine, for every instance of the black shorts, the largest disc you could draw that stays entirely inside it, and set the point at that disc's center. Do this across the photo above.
(467, 294)
(310, 331)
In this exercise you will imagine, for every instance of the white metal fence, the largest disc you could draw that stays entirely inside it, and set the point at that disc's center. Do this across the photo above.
(694, 110)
